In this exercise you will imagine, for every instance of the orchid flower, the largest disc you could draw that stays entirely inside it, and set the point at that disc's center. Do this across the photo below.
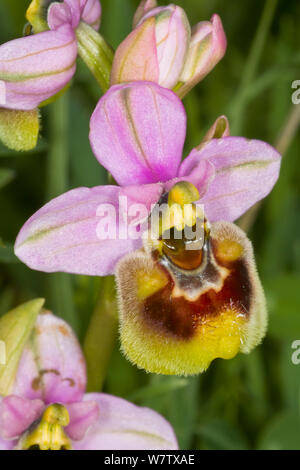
(162, 48)
(137, 133)
(47, 408)
(37, 67)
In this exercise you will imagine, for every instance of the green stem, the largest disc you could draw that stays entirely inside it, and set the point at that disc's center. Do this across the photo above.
(60, 284)
(96, 54)
(240, 103)
(101, 335)
(58, 158)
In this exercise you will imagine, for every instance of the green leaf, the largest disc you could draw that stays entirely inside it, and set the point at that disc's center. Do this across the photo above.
(15, 329)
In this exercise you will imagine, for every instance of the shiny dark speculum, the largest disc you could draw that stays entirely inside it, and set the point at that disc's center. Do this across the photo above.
(185, 248)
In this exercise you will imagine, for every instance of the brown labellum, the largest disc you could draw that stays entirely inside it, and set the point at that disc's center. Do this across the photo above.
(182, 309)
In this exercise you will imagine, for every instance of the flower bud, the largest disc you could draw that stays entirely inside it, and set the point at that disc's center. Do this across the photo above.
(218, 130)
(207, 47)
(155, 50)
(142, 9)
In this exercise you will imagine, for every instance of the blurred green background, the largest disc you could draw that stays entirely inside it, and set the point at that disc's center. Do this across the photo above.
(251, 402)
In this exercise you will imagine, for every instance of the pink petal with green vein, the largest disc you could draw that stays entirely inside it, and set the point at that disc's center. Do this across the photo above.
(137, 133)
(245, 172)
(136, 57)
(63, 235)
(172, 37)
(34, 68)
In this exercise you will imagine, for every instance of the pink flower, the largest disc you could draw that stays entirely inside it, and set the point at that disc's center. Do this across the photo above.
(137, 133)
(34, 68)
(163, 49)
(48, 395)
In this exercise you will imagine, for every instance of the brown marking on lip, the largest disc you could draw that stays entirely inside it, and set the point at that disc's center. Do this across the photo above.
(180, 317)
(36, 384)
(71, 381)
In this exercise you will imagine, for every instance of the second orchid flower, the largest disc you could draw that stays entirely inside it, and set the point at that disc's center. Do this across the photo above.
(36, 68)
(43, 404)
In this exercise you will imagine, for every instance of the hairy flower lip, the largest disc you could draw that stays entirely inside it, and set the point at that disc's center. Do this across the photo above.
(176, 322)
